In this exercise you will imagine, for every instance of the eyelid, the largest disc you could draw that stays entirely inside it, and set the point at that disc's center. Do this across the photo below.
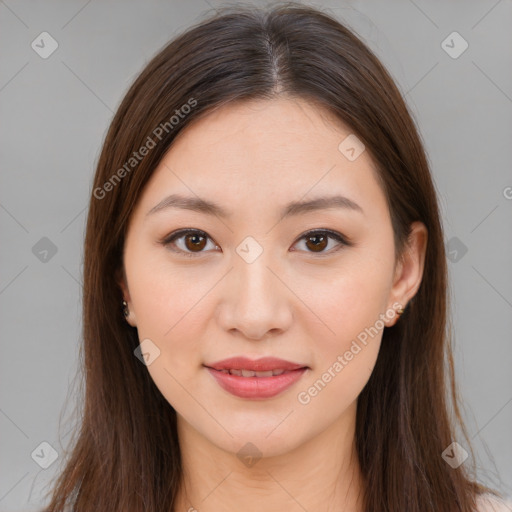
(341, 239)
(169, 239)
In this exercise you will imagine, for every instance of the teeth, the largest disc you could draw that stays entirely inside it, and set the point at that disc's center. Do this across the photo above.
(250, 373)
(268, 373)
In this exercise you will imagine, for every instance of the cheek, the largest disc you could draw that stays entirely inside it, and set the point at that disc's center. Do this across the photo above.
(165, 296)
(351, 302)
(347, 340)
(331, 390)
(172, 310)
(173, 317)
(343, 360)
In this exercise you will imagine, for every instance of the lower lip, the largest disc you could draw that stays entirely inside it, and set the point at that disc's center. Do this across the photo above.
(256, 387)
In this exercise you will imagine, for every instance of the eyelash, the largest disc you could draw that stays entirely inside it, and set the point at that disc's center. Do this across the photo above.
(183, 232)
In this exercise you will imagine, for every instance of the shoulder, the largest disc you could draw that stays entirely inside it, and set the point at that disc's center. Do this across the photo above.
(490, 503)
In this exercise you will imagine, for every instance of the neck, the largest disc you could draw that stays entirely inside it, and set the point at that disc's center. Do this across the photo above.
(320, 475)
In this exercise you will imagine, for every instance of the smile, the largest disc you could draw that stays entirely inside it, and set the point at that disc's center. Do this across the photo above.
(254, 385)
(250, 373)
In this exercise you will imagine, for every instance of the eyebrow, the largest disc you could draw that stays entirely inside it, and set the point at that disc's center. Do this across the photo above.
(291, 209)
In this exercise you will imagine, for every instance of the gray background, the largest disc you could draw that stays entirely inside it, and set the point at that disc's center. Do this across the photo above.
(55, 113)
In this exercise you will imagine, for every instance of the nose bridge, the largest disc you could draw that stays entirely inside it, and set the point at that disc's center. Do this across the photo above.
(255, 283)
(257, 301)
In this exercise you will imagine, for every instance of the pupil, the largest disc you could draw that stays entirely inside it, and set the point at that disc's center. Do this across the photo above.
(196, 242)
(318, 245)
(318, 242)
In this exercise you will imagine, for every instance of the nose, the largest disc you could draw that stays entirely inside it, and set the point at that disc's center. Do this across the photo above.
(256, 303)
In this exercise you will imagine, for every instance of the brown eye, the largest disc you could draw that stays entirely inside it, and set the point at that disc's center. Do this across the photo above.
(317, 243)
(189, 242)
(195, 242)
(192, 242)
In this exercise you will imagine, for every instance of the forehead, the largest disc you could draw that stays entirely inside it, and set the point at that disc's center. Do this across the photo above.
(265, 127)
(263, 152)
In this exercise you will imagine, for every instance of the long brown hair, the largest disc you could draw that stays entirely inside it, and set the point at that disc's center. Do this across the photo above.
(125, 455)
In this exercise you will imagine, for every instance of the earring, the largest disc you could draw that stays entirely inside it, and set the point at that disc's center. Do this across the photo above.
(399, 311)
(125, 308)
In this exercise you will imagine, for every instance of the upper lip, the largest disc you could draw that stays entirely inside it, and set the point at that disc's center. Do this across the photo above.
(258, 365)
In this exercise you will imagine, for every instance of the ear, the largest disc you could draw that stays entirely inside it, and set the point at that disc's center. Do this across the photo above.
(121, 281)
(409, 268)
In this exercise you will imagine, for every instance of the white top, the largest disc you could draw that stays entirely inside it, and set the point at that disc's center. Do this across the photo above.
(489, 503)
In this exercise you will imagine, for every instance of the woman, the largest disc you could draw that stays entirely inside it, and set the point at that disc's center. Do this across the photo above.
(264, 213)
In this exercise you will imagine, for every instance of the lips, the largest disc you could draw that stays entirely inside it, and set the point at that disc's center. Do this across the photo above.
(265, 364)
(256, 379)
(250, 373)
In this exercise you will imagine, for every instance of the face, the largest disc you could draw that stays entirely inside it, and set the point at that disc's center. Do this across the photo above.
(314, 287)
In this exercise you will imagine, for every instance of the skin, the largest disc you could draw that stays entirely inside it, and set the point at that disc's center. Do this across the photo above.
(304, 306)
